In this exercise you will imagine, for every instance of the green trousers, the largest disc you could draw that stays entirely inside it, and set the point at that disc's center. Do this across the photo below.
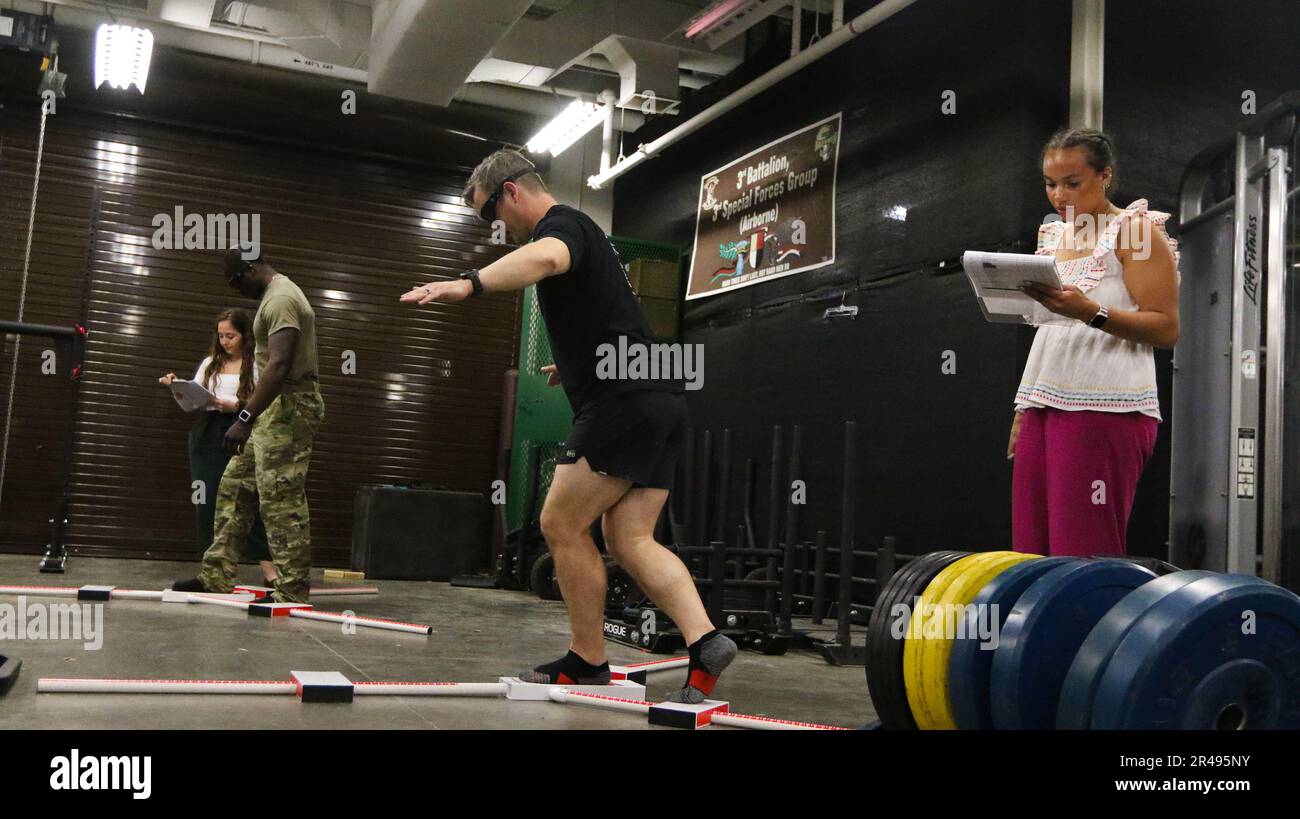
(270, 477)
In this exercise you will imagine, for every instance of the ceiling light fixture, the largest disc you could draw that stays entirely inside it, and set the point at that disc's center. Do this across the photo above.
(122, 55)
(569, 126)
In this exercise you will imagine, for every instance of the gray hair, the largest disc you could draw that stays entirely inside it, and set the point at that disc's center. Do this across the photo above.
(498, 167)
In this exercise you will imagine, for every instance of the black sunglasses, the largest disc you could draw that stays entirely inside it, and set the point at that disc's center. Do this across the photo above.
(489, 210)
(236, 279)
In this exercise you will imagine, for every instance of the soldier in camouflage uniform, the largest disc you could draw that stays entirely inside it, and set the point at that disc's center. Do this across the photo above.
(272, 439)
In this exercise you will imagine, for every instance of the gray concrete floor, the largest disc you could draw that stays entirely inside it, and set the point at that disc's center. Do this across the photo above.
(479, 635)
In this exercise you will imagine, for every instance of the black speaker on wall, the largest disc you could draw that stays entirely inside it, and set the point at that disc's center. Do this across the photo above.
(415, 533)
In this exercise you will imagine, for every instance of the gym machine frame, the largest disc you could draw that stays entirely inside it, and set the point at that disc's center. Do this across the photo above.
(1245, 470)
(71, 346)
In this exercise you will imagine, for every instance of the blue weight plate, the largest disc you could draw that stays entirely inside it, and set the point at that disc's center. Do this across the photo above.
(1044, 631)
(971, 661)
(1074, 712)
(1221, 652)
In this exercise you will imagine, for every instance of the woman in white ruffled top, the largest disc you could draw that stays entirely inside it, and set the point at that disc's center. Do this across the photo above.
(1086, 411)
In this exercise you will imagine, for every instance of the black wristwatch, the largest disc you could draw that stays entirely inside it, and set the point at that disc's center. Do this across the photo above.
(472, 275)
(1099, 319)
(244, 417)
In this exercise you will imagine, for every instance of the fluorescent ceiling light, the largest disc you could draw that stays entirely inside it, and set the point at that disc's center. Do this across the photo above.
(712, 17)
(571, 125)
(122, 55)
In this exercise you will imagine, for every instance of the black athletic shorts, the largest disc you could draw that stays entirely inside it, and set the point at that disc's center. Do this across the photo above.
(635, 435)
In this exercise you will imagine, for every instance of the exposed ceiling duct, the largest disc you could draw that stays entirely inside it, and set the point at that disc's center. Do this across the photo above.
(531, 56)
(648, 73)
(197, 13)
(423, 50)
(571, 35)
(332, 31)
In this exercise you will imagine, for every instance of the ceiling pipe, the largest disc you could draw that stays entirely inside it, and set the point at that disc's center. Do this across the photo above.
(858, 25)
(541, 101)
(796, 30)
(608, 98)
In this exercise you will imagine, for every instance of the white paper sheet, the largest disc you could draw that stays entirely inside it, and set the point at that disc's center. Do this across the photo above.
(997, 278)
(191, 395)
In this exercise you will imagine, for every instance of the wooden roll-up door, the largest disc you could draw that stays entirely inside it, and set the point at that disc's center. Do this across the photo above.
(353, 232)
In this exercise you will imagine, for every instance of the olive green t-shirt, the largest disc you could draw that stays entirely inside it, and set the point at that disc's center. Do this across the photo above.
(284, 305)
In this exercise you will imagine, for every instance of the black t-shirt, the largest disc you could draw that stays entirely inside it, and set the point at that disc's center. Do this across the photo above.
(591, 306)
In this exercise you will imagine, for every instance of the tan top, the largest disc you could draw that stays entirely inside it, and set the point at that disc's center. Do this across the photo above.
(284, 305)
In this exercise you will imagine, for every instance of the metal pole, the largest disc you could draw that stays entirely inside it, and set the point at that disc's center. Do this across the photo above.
(706, 485)
(738, 567)
(796, 30)
(819, 580)
(791, 533)
(748, 508)
(724, 486)
(530, 508)
(717, 569)
(846, 533)
(885, 564)
(687, 502)
(773, 512)
(1275, 319)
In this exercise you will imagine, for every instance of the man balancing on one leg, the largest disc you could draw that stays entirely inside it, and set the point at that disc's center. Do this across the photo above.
(619, 461)
(271, 441)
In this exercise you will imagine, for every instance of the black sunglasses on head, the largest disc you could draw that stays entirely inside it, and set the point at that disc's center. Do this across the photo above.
(489, 210)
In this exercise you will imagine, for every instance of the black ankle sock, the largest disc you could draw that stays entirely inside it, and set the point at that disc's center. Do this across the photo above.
(573, 670)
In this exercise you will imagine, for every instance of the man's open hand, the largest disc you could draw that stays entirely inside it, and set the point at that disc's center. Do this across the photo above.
(447, 292)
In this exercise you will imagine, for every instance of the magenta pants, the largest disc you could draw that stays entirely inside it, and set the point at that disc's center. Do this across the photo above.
(1074, 478)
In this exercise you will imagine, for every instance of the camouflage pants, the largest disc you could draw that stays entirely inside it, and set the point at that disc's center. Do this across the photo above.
(270, 477)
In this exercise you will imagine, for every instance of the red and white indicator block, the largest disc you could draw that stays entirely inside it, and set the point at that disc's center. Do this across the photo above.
(637, 672)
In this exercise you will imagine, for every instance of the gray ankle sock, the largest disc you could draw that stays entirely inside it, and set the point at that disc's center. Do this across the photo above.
(709, 658)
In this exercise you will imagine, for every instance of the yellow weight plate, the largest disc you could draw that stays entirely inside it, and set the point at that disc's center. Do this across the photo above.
(921, 623)
(935, 652)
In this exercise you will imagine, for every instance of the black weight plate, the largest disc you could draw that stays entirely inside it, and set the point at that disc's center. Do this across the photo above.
(878, 632)
(897, 715)
(878, 638)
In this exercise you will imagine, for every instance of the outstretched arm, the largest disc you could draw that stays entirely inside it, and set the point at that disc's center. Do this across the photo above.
(514, 271)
